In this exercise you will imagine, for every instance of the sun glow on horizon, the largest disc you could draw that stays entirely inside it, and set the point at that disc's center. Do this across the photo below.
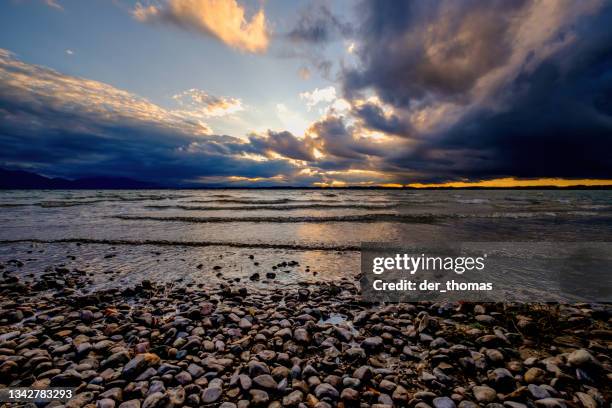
(514, 182)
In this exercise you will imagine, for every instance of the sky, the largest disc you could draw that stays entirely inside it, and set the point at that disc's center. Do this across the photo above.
(309, 93)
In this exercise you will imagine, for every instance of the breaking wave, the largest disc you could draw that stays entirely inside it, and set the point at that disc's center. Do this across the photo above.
(119, 242)
(274, 207)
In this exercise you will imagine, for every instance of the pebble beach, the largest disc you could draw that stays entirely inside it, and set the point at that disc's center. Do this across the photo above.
(230, 344)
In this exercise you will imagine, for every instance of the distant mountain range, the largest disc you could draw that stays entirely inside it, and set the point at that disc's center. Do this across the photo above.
(17, 179)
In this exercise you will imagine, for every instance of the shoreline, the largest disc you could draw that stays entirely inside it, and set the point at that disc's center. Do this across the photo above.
(317, 345)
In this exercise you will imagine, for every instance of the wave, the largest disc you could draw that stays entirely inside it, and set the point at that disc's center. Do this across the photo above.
(118, 242)
(421, 218)
(59, 204)
(403, 218)
(72, 203)
(473, 201)
(247, 201)
(273, 207)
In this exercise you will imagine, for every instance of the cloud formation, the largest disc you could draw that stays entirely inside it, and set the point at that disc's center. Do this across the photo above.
(225, 20)
(318, 96)
(310, 36)
(199, 102)
(284, 144)
(53, 4)
(62, 125)
(504, 88)
(317, 25)
(431, 92)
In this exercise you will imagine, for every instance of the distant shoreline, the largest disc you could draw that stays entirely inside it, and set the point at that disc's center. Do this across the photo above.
(581, 187)
(23, 180)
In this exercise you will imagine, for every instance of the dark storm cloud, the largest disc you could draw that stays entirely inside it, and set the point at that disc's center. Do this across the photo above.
(337, 140)
(373, 117)
(560, 126)
(340, 145)
(529, 84)
(344, 148)
(66, 126)
(283, 143)
(414, 49)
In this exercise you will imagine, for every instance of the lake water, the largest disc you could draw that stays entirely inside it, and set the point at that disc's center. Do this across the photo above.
(122, 236)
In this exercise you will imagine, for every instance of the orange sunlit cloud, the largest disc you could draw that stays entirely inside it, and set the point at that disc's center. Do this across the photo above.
(225, 20)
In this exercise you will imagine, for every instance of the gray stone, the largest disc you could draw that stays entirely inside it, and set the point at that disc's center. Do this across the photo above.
(105, 403)
(265, 381)
(211, 394)
(443, 402)
(293, 399)
(326, 391)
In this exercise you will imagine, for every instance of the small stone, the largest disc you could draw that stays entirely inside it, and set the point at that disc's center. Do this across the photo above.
(80, 400)
(586, 400)
(513, 404)
(105, 403)
(195, 370)
(537, 392)
(183, 378)
(443, 402)
(130, 404)
(259, 397)
(139, 364)
(211, 394)
(293, 399)
(256, 368)
(301, 335)
(245, 324)
(580, 358)
(155, 400)
(484, 319)
(349, 394)
(325, 390)
(265, 381)
(245, 382)
(176, 396)
(495, 356)
(387, 386)
(372, 343)
(551, 403)
(535, 375)
(363, 373)
(400, 394)
(502, 380)
(484, 393)
(115, 393)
